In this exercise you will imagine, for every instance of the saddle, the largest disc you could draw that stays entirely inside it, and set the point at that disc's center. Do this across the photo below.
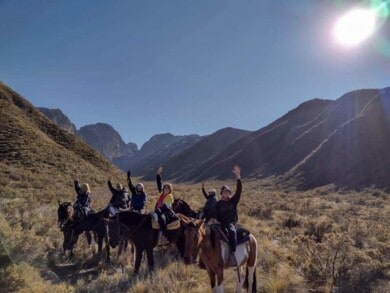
(79, 213)
(171, 224)
(242, 233)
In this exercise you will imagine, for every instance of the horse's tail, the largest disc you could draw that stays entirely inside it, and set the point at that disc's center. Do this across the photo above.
(254, 282)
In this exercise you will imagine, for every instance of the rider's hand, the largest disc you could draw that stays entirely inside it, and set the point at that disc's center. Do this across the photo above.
(159, 171)
(237, 171)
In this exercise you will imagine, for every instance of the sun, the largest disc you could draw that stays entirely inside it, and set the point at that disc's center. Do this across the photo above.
(355, 26)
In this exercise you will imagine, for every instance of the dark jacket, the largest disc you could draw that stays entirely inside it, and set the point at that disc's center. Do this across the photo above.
(83, 199)
(226, 211)
(119, 198)
(209, 207)
(138, 200)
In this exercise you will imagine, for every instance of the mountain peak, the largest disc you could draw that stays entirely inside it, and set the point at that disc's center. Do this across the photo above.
(59, 118)
(105, 138)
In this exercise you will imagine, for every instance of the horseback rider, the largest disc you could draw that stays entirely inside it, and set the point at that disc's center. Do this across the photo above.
(119, 199)
(226, 209)
(164, 202)
(83, 201)
(138, 196)
(208, 210)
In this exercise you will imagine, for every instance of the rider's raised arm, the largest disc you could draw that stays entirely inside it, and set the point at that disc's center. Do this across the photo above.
(131, 186)
(205, 194)
(77, 187)
(236, 197)
(159, 180)
(112, 189)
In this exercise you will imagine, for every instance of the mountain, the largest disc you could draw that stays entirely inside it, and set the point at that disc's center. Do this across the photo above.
(105, 139)
(317, 143)
(157, 150)
(356, 152)
(39, 157)
(341, 141)
(60, 119)
(180, 166)
(131, 148)
(102, 137)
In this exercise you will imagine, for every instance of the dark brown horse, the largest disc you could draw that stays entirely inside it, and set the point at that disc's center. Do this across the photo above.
(67, 216)
(138, 228)
(92, 223)
(215, 255)
(179, 206)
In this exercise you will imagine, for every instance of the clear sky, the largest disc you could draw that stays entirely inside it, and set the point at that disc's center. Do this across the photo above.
(184, 67)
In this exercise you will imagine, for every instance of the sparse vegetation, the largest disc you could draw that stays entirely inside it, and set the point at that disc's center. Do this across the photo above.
(302, 246)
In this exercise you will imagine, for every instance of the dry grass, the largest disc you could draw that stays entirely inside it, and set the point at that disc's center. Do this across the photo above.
(312, 241)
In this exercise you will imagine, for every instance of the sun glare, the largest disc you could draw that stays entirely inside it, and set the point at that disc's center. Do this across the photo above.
(355, 26)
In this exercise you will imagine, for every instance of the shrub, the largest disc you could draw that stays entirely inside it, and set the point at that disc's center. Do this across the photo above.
(318, 229)
(291, 221)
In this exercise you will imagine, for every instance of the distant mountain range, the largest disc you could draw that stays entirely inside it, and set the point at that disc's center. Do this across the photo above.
(343, 141)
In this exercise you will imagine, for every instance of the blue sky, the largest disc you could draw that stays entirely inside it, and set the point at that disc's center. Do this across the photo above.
(149, 67)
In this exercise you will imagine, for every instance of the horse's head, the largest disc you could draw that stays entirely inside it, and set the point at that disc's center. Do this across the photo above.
(179, 206)
(194, 234)
(65, 213)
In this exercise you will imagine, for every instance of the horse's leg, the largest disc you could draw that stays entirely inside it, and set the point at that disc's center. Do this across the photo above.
(100, 245)
(212, 279)
(149, 253)
(106, 242)
(89, 237)
(138, 259)
(251, 271)
(220, 280)
(240, 281)
(120, 247)
(132, 251)
(250, 278)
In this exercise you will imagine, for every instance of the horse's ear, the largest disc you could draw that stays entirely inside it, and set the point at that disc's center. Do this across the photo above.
(201, 223)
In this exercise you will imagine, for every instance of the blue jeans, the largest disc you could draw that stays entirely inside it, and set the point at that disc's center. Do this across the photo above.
(232, 235)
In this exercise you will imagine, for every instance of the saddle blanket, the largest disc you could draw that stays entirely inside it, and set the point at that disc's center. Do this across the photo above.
(171, 226)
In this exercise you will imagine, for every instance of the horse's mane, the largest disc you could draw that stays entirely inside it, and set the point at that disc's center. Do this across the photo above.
(181, 201)
(213, 237)
(181, 206)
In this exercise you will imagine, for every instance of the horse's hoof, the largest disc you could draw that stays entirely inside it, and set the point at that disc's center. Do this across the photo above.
(134, 275)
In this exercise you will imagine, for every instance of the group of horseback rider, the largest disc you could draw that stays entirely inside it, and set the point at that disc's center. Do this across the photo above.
(223, 210)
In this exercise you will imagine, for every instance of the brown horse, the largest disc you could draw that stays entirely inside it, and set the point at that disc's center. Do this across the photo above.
(67, 216)
(215, 255)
